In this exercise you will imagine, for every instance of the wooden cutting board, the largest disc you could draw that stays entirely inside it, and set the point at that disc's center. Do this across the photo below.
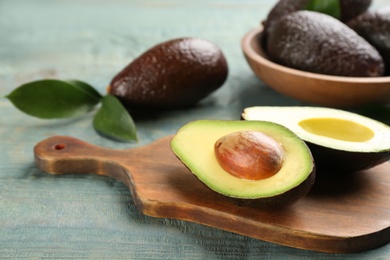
(342, 214)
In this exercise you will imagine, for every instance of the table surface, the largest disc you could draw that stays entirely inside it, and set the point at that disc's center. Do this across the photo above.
(90, 216)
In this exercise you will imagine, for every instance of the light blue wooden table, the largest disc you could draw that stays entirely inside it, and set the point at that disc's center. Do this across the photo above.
(45, 216)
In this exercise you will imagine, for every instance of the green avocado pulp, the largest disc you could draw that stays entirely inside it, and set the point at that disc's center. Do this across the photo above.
(340, 129)
(194, 146)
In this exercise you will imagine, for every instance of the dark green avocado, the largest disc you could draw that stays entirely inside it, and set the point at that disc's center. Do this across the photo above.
(348, 10)
(318, 43)
(173, 74)
(374, 26)
(352, 8)
(282, 8)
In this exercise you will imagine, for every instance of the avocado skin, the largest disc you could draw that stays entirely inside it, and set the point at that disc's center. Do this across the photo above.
(352, 8)
(282, 8)
(336, 161)
(173, 74)
(282, 200)
(374, 26)
(319, 43)
(348, 10)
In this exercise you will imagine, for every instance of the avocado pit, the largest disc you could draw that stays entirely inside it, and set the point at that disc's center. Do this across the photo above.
(249, 155)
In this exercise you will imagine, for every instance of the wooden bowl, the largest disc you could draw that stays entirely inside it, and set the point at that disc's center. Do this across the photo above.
(325, 90)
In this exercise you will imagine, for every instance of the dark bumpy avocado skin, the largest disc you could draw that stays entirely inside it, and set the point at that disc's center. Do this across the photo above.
(352, 8)
(281, 8)
(177, 73)
(374, 26)
(348, 10)
(318, 43)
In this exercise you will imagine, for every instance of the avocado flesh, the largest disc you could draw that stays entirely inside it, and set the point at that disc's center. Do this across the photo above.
(339, 140)
(194, 146)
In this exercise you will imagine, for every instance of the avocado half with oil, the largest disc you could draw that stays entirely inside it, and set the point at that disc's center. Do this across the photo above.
(194, 145)
(339, 140)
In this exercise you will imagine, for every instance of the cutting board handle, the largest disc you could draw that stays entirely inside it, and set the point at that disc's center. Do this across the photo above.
(68, 155)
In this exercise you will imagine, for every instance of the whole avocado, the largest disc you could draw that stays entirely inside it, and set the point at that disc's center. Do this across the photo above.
(352, 8)
(173, 74)
(319, 43)
(348, 9)
(374, 26)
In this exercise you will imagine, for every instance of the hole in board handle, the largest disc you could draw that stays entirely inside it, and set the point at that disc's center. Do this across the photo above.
(59, 146)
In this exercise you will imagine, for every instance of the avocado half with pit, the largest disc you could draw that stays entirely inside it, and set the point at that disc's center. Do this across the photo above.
(340, 141)
(258, 163)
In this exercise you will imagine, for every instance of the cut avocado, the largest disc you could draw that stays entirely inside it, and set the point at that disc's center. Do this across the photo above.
(194, 146)
(339, 140)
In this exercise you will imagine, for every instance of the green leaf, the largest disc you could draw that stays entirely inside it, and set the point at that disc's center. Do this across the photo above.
(87, 88)
(113, 120)
(329, 7)
(51, 98)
